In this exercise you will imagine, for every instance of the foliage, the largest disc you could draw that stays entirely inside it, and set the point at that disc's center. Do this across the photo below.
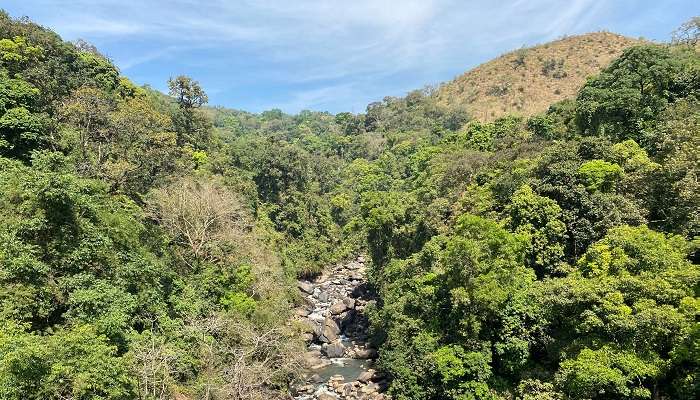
(631, 93)
(537, 259)
(150, 243)
(128, 267)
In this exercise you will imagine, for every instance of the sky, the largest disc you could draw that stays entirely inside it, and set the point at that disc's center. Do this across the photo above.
(329, 55)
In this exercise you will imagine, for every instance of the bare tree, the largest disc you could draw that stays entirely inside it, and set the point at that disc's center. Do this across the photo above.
(200, 216)
(154, 367)
(688, 33)
(247, 362)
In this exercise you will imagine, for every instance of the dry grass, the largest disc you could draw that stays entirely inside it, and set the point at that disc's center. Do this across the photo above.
(526, 81)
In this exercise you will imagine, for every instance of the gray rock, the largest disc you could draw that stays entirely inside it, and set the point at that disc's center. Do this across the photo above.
(309, 327)
(364, 354)
(336, 379)
(302, 311)
(323, 297)
(349, 302)
(316, 331)
(348, 389)
(334, 350)
(366, 376)
(329, 331)
(313, 358)
(370, 388)
(316, 317)
(306, 287)
(338, 308)
(303, 389)
(346, 319)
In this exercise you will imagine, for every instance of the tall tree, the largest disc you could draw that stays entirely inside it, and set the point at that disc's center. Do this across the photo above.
(192, 126)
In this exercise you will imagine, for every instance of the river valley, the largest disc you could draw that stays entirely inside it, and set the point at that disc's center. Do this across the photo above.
(340, 360)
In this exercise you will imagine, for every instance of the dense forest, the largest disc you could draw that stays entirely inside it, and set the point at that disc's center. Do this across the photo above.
(150, 244)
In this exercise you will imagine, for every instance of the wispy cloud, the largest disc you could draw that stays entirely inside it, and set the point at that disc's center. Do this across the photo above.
(130, 62)
(317, 54)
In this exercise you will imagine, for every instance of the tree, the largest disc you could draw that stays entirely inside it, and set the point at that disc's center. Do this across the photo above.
(197, 216)
(540, 219)
(688, 33)
(633, 92)
(22, 128)
(676, 188)
(599, 175)
(187, 92)
(87, 110)
(16, 54)
(143, 149)
(607, 374)
(631, 291)
(73, 363)
(192, 126)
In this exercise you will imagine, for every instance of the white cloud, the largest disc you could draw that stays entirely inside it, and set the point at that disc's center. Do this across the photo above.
(345, 47)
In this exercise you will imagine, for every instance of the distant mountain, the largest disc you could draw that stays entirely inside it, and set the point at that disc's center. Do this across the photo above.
(528, 80)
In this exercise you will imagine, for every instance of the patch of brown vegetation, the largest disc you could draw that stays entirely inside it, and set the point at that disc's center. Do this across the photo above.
(526, 81)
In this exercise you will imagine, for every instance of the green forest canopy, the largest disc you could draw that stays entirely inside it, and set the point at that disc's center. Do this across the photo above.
(148, 241)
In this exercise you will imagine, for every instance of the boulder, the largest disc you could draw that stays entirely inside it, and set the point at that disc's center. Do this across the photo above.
(329, 331)
(336, 380)
(349, 302)
(348, 389)
(303, 311)
(311, 330)
(323, 297)
(338, 308)
(313, 358)
(366, 376)
(306, 287)
(364, 354)
(316, 317)
(346, 319)
(334, 350)
(301, 389)
(370, 388)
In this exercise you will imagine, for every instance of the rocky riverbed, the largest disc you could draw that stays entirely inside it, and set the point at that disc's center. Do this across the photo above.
(339, 359)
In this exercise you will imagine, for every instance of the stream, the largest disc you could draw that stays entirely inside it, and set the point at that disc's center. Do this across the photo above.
(339, 359)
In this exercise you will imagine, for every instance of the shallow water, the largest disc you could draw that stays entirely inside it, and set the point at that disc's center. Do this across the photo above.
(348, 368)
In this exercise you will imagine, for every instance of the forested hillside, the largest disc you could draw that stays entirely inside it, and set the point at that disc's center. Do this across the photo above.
(149, 244)
(128, 267)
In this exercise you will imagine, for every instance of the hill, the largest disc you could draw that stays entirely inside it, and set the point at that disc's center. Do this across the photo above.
(528, 80)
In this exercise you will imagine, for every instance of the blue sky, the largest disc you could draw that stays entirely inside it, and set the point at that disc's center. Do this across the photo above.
(330, 55)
